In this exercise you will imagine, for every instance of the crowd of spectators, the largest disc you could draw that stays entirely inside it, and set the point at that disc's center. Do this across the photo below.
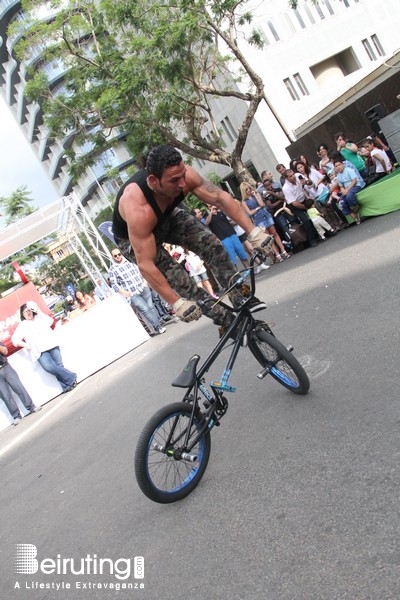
(310, 201)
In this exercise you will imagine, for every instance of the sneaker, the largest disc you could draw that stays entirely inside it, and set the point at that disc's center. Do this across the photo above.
(358, 220)
(264, 267)
(161, 330)
(35, 409)
(257, 270)
(17, 421)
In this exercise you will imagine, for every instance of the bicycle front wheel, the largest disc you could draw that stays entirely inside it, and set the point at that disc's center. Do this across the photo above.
(283, 366)
(166, 468)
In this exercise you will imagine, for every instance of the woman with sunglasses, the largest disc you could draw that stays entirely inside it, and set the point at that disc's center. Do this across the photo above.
(35, 333)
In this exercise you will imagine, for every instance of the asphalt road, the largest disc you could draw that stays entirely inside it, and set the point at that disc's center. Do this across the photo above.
(300, 500)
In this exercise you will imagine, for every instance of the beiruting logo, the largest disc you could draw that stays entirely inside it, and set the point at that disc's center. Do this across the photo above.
(26, 563)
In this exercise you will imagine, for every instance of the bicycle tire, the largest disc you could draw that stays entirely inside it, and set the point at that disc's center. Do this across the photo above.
(161, 477)
(284, 367)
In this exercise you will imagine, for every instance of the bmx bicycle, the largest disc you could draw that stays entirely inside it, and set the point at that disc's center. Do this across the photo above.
(174, 447)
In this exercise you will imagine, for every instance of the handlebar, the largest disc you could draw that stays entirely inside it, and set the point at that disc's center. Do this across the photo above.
(240, 278)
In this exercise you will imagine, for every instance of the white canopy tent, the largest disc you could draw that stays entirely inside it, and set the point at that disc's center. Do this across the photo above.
(65, 217)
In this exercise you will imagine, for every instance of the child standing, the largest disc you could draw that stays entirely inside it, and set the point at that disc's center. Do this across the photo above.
(318, 221)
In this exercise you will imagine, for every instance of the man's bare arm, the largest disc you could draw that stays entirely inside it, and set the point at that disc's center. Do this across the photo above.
(141, 220)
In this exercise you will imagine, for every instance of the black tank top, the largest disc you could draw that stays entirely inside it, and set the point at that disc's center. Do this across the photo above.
(120, 228)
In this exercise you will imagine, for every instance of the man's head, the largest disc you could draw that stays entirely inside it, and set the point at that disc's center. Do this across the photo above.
(280, 168)
(69, 299)
(117, 256)
(266, 176)
(166, 171)
(290, 176)
(197, 213)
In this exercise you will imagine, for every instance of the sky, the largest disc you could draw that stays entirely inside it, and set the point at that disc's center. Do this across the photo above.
(19, 165)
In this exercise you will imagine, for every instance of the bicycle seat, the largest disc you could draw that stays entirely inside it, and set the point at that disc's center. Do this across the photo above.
(187, 377)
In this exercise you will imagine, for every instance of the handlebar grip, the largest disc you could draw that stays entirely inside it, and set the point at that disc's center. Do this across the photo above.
(189, 310)
(266, 241)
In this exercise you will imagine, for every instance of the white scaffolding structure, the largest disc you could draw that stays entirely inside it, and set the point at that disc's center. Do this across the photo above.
(66, 218)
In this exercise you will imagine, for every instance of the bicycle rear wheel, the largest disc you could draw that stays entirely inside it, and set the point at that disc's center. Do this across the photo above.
(161, 474)
(283, 366)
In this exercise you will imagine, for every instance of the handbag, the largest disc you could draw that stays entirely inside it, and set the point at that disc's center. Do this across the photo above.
(323, 197)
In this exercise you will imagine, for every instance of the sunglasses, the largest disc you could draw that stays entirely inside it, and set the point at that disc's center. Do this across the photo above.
(116, 255)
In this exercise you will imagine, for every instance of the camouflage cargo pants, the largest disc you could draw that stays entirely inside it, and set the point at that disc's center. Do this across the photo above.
(183, 229)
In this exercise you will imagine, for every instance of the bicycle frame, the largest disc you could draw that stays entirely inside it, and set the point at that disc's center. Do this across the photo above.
(216, 403)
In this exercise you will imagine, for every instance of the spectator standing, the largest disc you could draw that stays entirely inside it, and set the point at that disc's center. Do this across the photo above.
(320, 224)
(10, 382)
(257, 211)
(127, 280)
(281, 170)
(102, 290)
(381, 161)
(349, 151)
(219, 224)
(198, 271)
(325, 162)
(35, 333)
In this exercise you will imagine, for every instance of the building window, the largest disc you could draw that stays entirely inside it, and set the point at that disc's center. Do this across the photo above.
(289, 23)
(264, 36)
(299, 18)
(319, 11)
(368, 49)
(290, 88)
(329, 7)
(309, 14)
(227, 131)
(300, 84)
(378, 45)
(273, 31)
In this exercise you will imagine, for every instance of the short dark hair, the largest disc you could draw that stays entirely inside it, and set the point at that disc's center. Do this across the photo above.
(161, 157)
(286, 173)
(338, 135)
(337, 157)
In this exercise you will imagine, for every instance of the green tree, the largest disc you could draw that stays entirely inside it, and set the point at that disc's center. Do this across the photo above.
(17, 205)
(65, 271)
(145, 70)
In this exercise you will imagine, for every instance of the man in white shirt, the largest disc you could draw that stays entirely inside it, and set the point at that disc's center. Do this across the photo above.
(294, 197)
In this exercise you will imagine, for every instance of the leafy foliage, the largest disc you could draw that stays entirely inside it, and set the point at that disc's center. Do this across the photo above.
(17, 206)
(147, 70)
